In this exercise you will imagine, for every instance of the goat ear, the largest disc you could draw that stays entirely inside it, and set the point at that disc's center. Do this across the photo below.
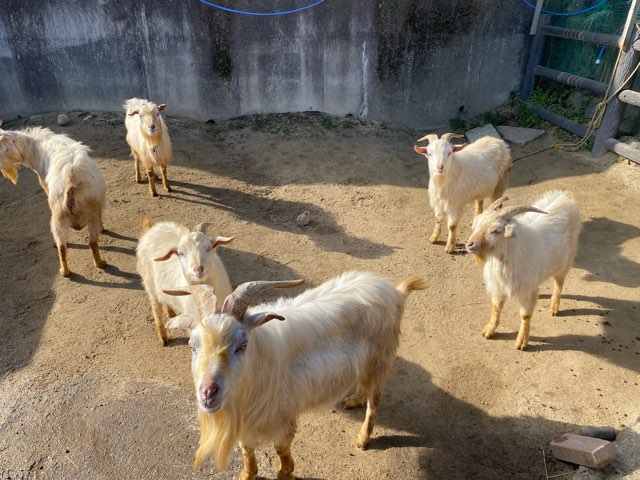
(162, 106)
(186, 320)
(421, 150)
(172, 251)
(457, 148)
(10, 173)
(221, 241)
(256, 319)
(135, 112)
(201, 227)
(509, 230)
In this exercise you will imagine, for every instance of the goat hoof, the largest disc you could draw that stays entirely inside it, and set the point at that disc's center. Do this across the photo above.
(521, 344)
(65, 272)
(285, 476)
(363, 442)
(163, 342)
(167, 189)
(488, 332)
(433, 239)
(101, 264)
(154, 194)
(449, 249)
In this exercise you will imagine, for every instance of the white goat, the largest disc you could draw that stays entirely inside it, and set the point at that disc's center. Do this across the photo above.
(252, 383)
(522, 252)
(459, 174)
(148, 137)
(74, 185)
(196, 263)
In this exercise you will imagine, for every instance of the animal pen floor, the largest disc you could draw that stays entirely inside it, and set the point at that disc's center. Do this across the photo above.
(87, 392)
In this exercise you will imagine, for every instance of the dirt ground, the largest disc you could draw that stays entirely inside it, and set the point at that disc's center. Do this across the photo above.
(86, 392)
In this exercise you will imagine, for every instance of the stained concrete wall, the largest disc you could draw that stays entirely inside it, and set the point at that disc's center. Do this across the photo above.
(416, 62)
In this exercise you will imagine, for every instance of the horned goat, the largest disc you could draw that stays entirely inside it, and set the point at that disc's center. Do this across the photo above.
(522, 252)
(459, 174)
(196, 263)
(252, 383)
(148, 138)
(74, 185)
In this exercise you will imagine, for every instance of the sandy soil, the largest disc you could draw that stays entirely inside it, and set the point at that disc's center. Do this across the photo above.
(87, 392)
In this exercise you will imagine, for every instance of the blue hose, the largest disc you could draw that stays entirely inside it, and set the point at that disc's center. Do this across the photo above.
(261, 14)
(563, 14)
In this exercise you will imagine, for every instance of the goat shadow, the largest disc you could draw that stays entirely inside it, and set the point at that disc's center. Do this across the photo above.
(456, 439)
(280, 214)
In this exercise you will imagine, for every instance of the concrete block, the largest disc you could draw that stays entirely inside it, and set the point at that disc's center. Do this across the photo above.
(519, 135)
(484, 131)
(587, 451)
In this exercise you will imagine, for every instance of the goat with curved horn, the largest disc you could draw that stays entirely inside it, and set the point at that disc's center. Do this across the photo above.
(432, 137)
(520, 253)
(237, 303)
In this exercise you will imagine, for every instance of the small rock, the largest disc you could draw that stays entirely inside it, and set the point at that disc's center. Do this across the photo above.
(604, 433)
(88, 117)
(519, 135)
(303, 219)
(36, 120)
(113, 121)
(64, 119)
(485, 131)
(587, 451)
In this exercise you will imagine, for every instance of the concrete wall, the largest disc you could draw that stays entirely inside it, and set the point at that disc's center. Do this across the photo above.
(416, 62)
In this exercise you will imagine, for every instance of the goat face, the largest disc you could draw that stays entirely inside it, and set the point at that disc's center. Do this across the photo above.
(195, 251)
(150, 123)
(218, 345)
(488, 231)
(438, 153)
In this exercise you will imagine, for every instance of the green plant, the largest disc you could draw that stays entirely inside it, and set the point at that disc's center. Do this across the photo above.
(285, 131)
(554, 99)
(346, 124)
(495, 118)
(457, 124)
(325, 121)
(258, 124)
(525, 117)
(513, 99)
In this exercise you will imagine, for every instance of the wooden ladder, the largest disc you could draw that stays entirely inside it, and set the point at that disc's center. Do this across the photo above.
(628, 42)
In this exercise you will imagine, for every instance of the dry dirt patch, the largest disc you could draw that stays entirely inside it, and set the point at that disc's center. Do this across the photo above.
(86, 392)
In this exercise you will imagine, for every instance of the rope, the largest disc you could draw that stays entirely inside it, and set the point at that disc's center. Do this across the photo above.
(262, 14)
(598, 113)
(566, 14)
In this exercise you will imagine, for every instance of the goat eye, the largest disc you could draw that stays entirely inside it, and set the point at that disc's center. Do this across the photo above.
(242, 347)
(181, 253)
(497, 231)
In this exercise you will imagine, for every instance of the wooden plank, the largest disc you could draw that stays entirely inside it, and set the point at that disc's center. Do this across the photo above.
(535, 58)
(582, 35)
(630, 97)
(594, 86)
(623, 149)
(629, 25)
(574, 127)
(536, 17)
(615, 108)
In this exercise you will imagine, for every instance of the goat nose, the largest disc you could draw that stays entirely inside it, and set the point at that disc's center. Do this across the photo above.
(152, 127)
(199, 269)
(208, 394)
(470, 244)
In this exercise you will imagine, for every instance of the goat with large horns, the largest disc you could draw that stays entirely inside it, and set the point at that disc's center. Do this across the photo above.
(253, 377)
(521, 247)
(460, 174)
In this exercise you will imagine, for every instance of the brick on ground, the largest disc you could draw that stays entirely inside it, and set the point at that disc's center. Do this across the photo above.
(587, 451)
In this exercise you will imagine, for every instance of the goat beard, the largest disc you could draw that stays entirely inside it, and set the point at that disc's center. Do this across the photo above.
(218, 434)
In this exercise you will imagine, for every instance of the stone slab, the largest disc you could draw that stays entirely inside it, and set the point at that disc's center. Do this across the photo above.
(587, 451)
(519, 135)
(485, 131)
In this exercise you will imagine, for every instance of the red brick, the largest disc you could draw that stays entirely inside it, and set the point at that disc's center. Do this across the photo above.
(587, 451)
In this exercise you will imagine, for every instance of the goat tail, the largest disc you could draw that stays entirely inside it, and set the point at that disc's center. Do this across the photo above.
(411, 284)
(69, 196)
(147, 223)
